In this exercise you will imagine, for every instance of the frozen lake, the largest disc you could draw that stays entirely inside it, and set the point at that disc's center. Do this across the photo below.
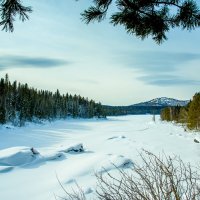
(25, 175)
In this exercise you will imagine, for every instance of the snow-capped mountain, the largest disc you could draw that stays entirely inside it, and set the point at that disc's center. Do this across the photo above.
(163, 101)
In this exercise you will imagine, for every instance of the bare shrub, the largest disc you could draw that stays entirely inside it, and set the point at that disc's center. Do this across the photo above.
(75, 194)
(158, 178)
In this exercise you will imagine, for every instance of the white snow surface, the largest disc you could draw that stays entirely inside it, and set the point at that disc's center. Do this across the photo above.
(33, 158)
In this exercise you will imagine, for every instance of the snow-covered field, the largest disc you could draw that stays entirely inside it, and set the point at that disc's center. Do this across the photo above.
(33, 157)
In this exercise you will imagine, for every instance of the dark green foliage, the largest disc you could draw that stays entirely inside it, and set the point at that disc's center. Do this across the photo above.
(188, 115)
(165, 114)
(194, 113)
(183, 115)
(131, 110)
(9, 9)
(2, 115)
(171, 113)
(2, 102)
(145, 18)
(20, 103)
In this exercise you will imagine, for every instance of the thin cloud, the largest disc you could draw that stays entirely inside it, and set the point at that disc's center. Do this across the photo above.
(150, 62)
(11, 61)
(168, 80)
(158, 68)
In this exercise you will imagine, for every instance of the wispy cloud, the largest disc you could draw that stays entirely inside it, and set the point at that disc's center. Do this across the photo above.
(167, 80)
(12, 61)
(158, 68)
(157, 62)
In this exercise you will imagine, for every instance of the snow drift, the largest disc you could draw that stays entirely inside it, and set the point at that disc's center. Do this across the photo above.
(22, 156)
(17, 156)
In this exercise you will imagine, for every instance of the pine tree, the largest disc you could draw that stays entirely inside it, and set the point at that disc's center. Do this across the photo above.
(2, 102)
(165, 114)
(194, 112)
(20, 103)
(2, 115)
(183, 116)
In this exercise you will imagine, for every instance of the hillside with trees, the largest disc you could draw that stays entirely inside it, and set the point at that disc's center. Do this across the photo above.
(132, 110)
(20, 103)
(188, 115)
(154, 106)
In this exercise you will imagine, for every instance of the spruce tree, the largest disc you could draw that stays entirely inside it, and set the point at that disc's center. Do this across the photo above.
(20, 103)
(194, 112)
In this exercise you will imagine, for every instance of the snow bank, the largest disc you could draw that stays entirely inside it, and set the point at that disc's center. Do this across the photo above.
(17, 156)
(21, 156)
(4, 169)
(73, 148)
(52, 156)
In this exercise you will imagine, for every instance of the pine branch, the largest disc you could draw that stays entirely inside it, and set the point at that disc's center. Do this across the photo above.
(97, 12)
(142, 18)
(145, 18)
(9, 9)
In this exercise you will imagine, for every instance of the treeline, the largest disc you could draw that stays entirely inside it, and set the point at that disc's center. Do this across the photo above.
(20, 103)
(132, 110)
(188, 115)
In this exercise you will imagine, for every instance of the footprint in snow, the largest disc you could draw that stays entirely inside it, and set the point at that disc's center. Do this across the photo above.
(117, 137)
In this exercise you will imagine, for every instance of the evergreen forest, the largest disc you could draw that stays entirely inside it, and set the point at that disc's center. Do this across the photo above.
(132, 110)
(20, 103)
(188, 115)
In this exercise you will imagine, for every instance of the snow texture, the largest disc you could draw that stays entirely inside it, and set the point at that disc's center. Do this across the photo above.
(33, 157)
(114, 162)
(21, 156)
(17, 156)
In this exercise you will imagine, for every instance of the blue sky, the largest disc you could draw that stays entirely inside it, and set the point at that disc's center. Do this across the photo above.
(55, 49)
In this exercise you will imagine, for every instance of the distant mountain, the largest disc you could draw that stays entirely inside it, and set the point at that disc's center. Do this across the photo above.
(153, 106)
(163, 101)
